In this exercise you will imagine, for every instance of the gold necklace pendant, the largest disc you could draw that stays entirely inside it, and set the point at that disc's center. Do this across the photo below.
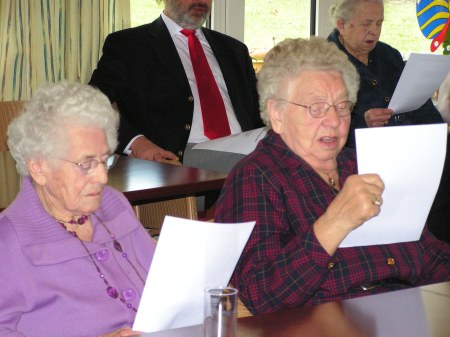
(331, 181)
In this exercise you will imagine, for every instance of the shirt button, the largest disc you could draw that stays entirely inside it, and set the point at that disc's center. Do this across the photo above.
(180, 153)
(102, 255)
(128, 294)
(374, 82)
(390, 261)
(330, 265)
(190, 98)
(187, 127)
(387, 99)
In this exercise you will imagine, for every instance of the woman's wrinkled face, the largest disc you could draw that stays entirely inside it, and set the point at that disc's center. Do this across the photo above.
(317, 140)
(362, 32)
(64, 187)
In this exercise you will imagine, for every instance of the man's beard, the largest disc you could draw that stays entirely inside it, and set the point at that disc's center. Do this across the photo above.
(188, 21)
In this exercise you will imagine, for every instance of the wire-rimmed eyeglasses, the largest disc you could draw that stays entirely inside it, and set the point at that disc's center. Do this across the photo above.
(320, 109)
(89, 165)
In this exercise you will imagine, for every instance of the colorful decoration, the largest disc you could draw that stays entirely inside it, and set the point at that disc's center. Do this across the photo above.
(434, 20)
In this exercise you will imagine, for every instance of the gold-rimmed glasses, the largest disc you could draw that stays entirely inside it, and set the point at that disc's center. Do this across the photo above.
(320, 109)
(89, 165)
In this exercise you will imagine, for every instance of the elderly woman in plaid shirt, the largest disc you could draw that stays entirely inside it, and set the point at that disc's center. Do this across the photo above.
(301, 187)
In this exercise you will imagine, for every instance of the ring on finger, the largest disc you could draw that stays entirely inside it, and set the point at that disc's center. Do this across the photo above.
(376, 200)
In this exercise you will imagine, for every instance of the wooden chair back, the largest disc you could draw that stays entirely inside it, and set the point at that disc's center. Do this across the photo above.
(8, 110)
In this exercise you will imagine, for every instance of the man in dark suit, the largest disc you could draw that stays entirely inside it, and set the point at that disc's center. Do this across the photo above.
(148, 73)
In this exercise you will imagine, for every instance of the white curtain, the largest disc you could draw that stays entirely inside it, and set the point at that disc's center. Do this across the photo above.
(52, 40)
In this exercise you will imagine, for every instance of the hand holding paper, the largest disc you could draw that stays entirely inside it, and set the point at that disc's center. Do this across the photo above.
(409, 160)
(421, 77)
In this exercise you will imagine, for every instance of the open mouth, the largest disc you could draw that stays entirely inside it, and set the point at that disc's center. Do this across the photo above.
(328, 141)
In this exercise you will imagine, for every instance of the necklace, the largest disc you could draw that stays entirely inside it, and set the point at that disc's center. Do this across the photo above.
(110, 290)
(80, 221)
(331, 181)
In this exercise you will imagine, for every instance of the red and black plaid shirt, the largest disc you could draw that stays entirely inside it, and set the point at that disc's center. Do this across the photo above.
(283, 265)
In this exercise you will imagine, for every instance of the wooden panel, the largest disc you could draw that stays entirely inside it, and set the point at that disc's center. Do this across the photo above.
(8, 110)
(152, 215)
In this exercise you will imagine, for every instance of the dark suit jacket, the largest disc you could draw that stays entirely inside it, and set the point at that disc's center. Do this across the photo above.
(141, 71)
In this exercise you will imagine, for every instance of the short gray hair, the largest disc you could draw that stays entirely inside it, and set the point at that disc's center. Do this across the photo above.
(344, 9)
(289, 58)
(39, 130)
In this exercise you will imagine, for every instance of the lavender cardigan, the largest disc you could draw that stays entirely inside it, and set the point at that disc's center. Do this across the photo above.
(49, 286)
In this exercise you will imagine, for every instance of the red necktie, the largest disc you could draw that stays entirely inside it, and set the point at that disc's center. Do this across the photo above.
(215, 121)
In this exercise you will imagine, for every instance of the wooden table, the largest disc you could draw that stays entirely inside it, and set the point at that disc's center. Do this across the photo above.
(415, 312)
(140, 180)
(145, 181)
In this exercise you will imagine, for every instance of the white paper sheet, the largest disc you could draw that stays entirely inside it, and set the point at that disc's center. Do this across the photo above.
(410, 160)
(190, 256)
(421, 77)
(243, 143)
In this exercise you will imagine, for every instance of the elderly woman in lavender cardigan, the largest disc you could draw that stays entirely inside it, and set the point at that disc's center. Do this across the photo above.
(74, 257)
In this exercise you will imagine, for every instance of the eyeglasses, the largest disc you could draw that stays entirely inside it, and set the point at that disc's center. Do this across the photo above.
(320, 109)
(89, 165)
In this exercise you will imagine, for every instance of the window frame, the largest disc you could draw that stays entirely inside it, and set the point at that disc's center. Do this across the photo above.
(228, 17)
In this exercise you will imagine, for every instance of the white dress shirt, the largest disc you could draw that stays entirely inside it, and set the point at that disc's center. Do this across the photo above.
(197, 134)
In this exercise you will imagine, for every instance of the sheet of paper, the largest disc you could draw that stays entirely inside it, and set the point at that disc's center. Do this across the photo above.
(190, 256)
(421, 77)
(242, 143)
(410, 160)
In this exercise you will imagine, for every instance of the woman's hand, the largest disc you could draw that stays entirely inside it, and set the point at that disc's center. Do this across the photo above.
(377, 117)
(122, 332)
(358, 201)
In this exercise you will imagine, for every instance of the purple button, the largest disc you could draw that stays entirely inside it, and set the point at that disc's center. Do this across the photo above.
(128, 294)
(102, 255)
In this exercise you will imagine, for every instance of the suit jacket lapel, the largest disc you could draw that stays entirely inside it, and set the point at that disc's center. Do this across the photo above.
(220, 53)
(161, 42)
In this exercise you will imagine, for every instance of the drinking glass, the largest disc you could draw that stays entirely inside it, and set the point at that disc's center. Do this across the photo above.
(220, 312)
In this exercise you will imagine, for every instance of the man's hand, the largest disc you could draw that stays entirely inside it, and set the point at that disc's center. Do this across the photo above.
(142, 148)
(377, 117)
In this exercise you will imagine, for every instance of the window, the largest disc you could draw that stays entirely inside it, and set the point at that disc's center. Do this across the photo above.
(144, 11)
(401, 29)
(269, 22)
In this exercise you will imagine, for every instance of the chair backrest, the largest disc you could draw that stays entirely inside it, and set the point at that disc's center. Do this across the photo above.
(152, 215)
(8, 110)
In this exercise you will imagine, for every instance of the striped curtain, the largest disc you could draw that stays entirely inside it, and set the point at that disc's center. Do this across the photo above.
(52, 40)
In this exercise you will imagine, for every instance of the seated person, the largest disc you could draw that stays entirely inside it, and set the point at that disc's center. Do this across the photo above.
(301, 187)
(74, 257)
(147, 71)
(357, 33)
